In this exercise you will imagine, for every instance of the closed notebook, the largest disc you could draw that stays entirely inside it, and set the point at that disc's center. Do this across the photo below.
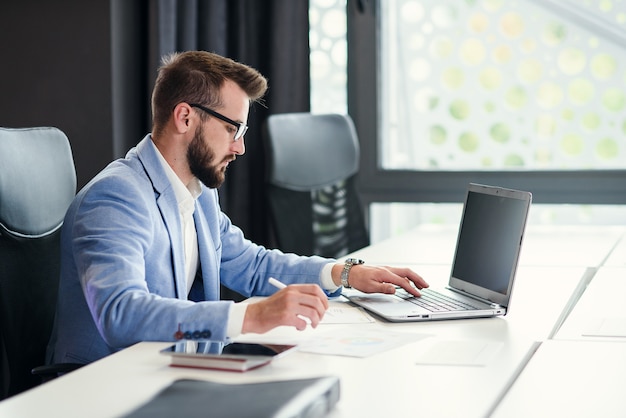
(301, 398)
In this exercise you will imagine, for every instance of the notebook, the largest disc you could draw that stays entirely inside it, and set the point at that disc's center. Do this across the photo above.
(483, 269)
(300, 398)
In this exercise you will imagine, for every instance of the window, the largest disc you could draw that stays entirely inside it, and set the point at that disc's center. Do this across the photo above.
(327, 40)
(499, 85)
(528, 94)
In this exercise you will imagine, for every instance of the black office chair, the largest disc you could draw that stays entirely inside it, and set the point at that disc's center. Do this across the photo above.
(37, 184)
(312, 163)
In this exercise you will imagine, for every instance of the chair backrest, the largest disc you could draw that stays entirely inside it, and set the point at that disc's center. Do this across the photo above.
(312, 163)
(37, 184)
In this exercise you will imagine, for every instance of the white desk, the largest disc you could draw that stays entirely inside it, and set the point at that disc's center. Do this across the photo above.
(542, 296)
(372, 386)
(375, 387)
(569, 245)
(601, 312)
(543, 246)
(617, 258)
(475, 361)
(432, 244)
(570, 379)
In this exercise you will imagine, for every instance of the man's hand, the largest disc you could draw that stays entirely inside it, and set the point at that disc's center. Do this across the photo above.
(288, 306)
(378, 279)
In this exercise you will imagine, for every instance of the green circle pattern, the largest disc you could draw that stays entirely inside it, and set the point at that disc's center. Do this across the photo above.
(460, 109)
(572, 144)
(563, 102)
(614, 100)
(500, 133)
(438, 135)
(513, 160)
(590, 121)
(468, 142)
(580, 91)
(607, 149)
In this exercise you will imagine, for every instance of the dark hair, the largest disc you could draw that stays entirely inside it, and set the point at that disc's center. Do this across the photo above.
(197, 77)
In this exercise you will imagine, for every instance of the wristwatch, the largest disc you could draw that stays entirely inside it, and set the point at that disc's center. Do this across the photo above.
(346, 270)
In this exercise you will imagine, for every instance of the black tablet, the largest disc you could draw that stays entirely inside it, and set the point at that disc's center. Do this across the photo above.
(237, 356)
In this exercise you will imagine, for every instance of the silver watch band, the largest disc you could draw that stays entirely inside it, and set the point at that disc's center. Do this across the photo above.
(346, 271)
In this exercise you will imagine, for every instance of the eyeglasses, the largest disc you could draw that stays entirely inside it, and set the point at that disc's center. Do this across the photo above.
(241, 127)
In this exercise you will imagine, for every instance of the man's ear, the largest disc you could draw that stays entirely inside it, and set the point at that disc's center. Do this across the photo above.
(181, 116)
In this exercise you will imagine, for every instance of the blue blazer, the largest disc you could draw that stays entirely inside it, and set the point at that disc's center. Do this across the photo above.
(122, 263)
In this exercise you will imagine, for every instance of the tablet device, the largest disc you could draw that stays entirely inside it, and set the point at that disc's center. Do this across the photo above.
(237, 356)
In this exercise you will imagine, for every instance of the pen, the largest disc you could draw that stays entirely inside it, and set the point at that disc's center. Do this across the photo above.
(281, 285)
(277, 283)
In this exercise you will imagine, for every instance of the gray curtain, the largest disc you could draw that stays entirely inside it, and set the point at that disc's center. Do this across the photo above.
(269, 35)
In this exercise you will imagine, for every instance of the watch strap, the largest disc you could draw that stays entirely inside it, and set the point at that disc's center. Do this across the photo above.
(345, 273)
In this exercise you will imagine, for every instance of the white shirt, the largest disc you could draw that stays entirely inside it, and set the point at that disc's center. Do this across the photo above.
(186, 196)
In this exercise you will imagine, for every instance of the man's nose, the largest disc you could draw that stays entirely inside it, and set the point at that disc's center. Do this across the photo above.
(238, 147)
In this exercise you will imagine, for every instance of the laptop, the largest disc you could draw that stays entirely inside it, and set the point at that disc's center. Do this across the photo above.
(485, 261)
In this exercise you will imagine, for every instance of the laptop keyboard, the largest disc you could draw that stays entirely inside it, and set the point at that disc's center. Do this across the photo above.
(434, 301)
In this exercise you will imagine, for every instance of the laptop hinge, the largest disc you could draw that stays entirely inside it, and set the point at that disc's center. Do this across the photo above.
(476, 298)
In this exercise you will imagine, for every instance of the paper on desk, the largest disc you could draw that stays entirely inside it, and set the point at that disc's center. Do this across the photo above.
(606, 327)
(460, 353)
(345, 315)
(358, 342)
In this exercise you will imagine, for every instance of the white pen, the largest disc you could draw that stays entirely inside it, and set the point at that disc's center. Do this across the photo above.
(277, 283)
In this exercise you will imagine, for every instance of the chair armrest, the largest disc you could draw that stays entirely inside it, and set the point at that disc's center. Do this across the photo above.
(54, 370)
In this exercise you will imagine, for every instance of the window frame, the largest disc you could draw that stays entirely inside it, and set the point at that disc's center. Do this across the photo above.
(383, 185)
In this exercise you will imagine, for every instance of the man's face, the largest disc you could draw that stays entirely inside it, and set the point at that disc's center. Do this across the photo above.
(213, 145)
(201, 161)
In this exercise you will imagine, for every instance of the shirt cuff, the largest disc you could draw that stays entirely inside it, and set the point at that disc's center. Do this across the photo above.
(235, 319)
(326, 278)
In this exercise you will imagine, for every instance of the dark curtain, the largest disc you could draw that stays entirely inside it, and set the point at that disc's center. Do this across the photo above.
(269, 35)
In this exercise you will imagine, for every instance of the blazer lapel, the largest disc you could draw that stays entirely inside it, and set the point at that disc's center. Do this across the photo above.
(168, 206)
(169, 211)
(208, 258)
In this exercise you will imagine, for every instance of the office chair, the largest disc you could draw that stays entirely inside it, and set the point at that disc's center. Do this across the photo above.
(312, 164)
(37, 184)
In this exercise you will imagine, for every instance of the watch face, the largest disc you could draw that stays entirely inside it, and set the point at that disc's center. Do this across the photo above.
(354, 261)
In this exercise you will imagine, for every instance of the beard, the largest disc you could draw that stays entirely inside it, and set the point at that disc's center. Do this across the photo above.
(200, 157)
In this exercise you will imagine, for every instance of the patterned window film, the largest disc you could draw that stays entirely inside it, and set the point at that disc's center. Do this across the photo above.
(487, 85)
(503, 84)
(329, 56)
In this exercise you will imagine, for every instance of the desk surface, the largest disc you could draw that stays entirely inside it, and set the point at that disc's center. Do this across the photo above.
(600, 313)
(569, 379)
(617, 257)
(543, 246)
(481, 353)
(395, 388)
(473, 362)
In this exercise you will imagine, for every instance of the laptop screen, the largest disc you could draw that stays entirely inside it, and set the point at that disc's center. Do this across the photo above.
(490, 238)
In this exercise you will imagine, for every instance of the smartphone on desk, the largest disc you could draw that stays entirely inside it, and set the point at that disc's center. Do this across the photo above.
(237, 356)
